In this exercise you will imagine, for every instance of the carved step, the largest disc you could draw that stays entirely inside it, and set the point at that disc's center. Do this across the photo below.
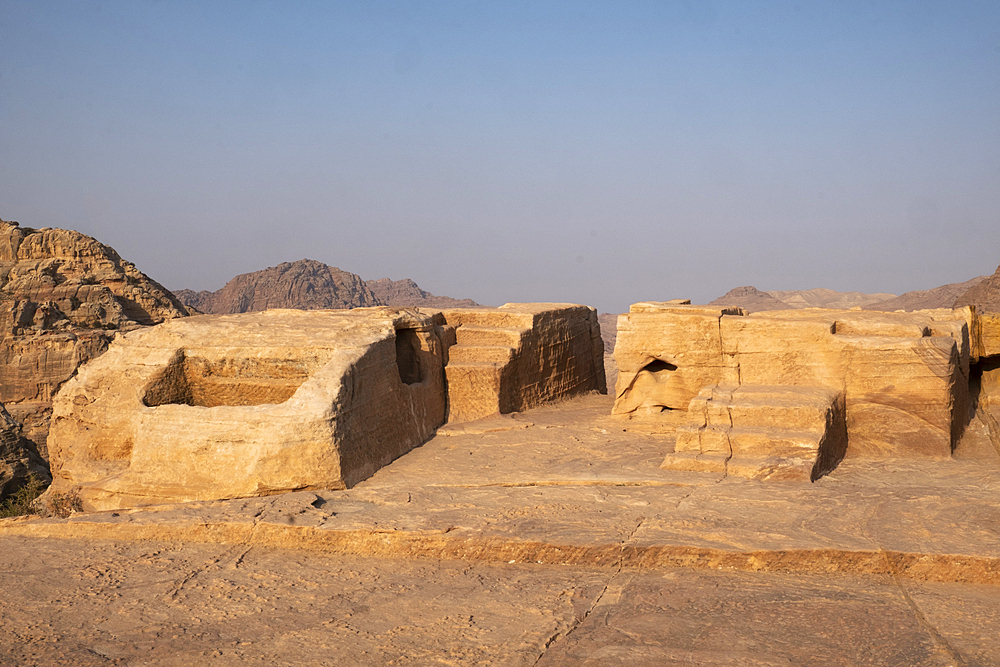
(491, 354)
(491, 336)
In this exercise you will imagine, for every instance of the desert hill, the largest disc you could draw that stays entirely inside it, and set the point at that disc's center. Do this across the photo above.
(827, 298)
(750, 299)
(938, 297)
(305, 284)
(311, 285)
(405, 292)
(985, 295)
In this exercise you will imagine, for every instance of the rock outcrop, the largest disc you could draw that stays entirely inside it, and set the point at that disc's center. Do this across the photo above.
(520, 355)
(254, 404)
(18, 457)
(63, 295)
(902, 379)
(985, 295)
(305, 284)
(407, 293)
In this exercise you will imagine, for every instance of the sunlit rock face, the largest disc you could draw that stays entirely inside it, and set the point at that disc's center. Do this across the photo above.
(63, 296)
(227, 406)
(896, 383)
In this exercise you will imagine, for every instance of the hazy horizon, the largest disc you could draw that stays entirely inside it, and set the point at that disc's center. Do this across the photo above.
(546, 151)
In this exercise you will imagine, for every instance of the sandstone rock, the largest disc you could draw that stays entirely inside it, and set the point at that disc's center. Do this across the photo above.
(63, 295)
(407, 293)
(762, 432)
(903, 377)
(665, 361)
(246, 405)
(18, 457)
(305, 284)
(255, 404)
(939, 297)
(985, 295)
(517, 356)
(750, 299)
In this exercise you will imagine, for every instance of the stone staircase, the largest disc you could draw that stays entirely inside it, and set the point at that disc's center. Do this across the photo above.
(758, 431)
(476, 364)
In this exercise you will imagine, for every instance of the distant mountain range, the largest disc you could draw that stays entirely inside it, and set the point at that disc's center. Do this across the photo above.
(311, 285)
(983, 292)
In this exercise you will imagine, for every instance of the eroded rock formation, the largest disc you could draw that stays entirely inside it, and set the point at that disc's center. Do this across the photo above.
(18, 457)
(63, 295)
(520, 355)
(254, 404)
(897, 383)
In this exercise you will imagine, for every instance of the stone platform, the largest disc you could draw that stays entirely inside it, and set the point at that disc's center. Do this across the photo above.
(548, 537)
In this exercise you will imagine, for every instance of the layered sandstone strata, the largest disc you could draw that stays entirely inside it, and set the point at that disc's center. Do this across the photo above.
(902, 378)
(229, 406)
(520, 355)
(63, 295)
(247, 405)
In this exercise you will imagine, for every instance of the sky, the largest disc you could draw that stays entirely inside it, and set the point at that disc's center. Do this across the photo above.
(601, 153)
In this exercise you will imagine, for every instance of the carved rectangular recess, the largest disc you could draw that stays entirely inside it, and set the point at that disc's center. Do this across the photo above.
(231, 380)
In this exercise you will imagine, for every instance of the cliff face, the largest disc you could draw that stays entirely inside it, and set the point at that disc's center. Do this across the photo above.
(985, 295)
(304, 285)
(405, 292)
(62, 297)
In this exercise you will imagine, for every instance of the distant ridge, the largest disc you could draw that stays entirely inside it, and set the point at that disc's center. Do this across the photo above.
(311, 285)
(985, 296)
(828, 298)
(939, 297)
(405, 292)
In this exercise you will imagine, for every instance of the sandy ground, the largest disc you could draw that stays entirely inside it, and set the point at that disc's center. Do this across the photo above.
(546, 538)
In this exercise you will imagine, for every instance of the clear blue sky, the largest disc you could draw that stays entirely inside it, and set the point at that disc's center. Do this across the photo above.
(599, 153)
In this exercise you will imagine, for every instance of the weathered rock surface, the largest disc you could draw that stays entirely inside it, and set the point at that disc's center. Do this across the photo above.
(305, 284)
(614, 560)
(902, 377)
(244, 405)
(985, 295)
(407, 293)
(939, 297)
(63, 295)
(520, 355)
(750, 299)
(18, 457)
(255, 404)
